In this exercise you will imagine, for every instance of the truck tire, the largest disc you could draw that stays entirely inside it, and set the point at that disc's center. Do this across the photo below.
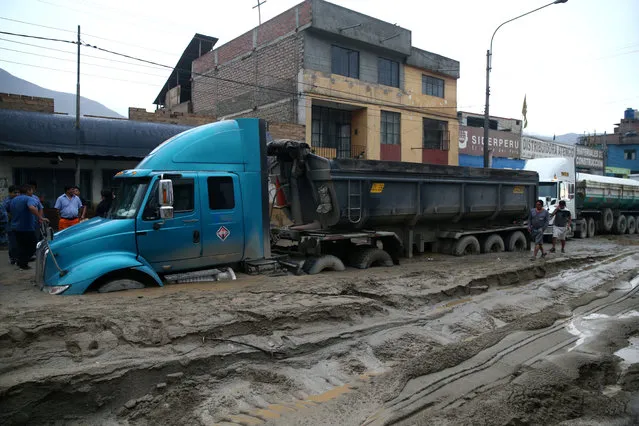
(621, 224)
(315, 265)
(592, 227)
(517, 241)
(493, 244)
(466, 245)
(631, 226)
(607, 220)
(119, 285)
(365, 258)
(582, 228)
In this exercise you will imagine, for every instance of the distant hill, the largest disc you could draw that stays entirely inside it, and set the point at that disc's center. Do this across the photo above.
(63, 102)
(568, 138)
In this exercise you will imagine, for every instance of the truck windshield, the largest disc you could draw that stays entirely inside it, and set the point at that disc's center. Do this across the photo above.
(548, 189)
(129, 197)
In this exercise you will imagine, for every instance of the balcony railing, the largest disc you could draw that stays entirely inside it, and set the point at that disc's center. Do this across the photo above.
(355, 151)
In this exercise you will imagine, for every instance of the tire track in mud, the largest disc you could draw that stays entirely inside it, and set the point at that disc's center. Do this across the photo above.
(93, 391)
(404, 407)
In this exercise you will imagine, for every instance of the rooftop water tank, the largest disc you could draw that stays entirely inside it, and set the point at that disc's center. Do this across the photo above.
(629, 114)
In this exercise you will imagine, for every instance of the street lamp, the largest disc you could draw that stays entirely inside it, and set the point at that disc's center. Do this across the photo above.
(489, 54)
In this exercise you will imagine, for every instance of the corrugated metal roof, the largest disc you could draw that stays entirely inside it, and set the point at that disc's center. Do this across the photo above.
(35, 132)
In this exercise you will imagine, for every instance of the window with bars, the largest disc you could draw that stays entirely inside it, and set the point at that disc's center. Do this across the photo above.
(630, 154)
(344, 61)
(387, 72)
(331, 128)
(390, 128)
(435, 134)
(432, 86)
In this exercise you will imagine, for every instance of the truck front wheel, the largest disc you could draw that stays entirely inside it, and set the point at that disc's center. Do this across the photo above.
(119, 285)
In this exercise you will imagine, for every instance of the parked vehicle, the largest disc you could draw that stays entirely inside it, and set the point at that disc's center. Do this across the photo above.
(201, 200)
(598, 204)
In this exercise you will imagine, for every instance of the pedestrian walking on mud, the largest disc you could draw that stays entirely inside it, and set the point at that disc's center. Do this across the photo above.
(68, 205)
(23, 208)
(537, 222)
(560, 226)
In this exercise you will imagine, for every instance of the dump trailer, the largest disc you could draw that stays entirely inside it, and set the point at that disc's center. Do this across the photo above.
(406, 207)
(200, 203)
(598, 204)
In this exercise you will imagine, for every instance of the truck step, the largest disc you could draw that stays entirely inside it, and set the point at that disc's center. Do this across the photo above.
(221, 274)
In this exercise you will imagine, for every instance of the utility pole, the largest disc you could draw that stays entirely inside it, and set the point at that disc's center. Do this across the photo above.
(259, 10)
(77, 116)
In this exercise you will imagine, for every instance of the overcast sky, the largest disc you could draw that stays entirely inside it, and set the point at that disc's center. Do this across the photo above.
(578, 62)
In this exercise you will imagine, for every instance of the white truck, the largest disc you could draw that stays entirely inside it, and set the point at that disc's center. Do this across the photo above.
(598, 204)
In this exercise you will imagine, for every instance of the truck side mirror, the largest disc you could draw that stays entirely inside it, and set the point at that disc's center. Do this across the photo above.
(166, 212)
(165, 193)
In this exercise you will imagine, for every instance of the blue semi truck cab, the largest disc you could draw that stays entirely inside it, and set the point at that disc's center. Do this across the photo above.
(200, 199)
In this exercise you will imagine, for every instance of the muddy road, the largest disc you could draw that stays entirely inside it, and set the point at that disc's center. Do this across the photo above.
(490, 339)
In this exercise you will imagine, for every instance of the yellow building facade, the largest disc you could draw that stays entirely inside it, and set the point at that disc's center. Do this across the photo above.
(366, 101)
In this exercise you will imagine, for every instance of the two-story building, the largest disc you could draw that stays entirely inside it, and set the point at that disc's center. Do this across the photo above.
(622, 146)
(353, 86)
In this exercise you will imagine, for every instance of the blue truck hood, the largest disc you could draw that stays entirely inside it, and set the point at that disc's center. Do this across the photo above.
(93, 231)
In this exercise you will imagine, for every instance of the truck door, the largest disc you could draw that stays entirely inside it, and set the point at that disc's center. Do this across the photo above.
(222, 217)
(168, 243)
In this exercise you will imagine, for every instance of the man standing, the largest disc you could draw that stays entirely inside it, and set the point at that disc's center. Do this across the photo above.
(68, 205)
(83, 210)
(105, 205)
(561, 225)
(13, 245)
(22, 209)
(38, 199)
(537, 223)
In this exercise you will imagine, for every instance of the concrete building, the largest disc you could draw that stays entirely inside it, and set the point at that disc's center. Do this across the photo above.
(353, 85)
(622, 146)
(504, 141)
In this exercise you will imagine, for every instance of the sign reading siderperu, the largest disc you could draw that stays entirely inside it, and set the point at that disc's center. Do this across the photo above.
(502, 144)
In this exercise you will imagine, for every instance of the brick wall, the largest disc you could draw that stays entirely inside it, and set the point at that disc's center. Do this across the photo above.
(260, 77)
(26, 103)
(256, 69)
(163, 116)
(287, 131)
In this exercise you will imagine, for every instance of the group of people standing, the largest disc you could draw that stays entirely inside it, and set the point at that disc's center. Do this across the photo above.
(22, 212)
(538, 221)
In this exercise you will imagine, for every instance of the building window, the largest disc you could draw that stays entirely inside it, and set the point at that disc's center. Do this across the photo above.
(630, 154)
(479, 122)
(387, 72)
(221, 195)
(432, 86)
(435, 134)
(331, 128)
(390, 128)
(345, 62)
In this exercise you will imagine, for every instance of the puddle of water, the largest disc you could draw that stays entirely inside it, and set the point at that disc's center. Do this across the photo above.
(630, 354)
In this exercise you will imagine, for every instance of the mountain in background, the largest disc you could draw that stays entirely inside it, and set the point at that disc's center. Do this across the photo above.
(63, 102)
(568, 138)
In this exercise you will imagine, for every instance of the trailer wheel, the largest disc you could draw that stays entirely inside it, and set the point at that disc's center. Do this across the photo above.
(607, 220)
(119, 285)
(493, 244)
(631, 224)
(621, 224)
(315, 265)
(582, 228)
(517, 242)
(466, 245)
(368, 257)
(592, 227)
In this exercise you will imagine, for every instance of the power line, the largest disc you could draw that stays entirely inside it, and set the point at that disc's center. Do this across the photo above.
(74, 72)
(85, 63)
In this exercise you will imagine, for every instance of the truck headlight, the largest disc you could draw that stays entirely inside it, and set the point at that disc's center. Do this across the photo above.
(55, 289)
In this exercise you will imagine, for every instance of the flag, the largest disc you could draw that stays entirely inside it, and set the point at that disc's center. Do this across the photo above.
(524, 110)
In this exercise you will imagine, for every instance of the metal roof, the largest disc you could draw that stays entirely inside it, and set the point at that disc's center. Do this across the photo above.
(34, 132)
(181, 74)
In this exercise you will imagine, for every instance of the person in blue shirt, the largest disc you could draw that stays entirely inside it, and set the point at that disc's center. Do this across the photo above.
(22, 209)
(4, 225)
(38, 199)
(68, 205)
(13, 245)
